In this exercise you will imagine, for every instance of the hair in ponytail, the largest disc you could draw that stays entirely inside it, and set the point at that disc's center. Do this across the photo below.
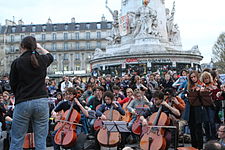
(30, 44)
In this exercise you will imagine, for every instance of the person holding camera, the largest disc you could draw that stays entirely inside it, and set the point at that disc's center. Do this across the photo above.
(27, 80)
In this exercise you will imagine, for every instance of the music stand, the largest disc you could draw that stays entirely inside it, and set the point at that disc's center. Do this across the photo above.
(115, 126)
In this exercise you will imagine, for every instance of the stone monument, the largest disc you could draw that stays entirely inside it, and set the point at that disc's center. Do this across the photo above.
(144, 29)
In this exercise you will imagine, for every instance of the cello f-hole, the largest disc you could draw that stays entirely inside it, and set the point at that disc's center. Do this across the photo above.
(149, 142)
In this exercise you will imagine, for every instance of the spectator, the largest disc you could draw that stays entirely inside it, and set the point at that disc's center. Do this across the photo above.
(213, 145)
(221, 135)
(66, 84)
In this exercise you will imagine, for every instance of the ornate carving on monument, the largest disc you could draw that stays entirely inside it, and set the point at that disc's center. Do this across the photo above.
(145, 20)
(172, 29)
(98, 52)
(195, 50)
(170, 19)
(124, 2)
(175, 35)
(115, 34)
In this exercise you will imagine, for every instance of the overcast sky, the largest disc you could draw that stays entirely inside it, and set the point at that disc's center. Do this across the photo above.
(200, 21)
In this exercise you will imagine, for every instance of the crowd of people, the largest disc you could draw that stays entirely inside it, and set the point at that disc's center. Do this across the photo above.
(191, 102)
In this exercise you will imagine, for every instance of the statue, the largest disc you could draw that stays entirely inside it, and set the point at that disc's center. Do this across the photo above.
(115, 35)
(98, 52)
(170, 18)
(195, 50)
(145, 17)
(124, 2)
(132, 21)
(175, 35)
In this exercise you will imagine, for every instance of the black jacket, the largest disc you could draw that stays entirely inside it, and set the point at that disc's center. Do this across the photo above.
(27, 82)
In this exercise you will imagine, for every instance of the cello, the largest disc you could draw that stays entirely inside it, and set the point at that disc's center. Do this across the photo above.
(29, 141)
(98, 122)
(66, 135)
(137, 125)
(106, 138)
(154, 139)
(57, 118)
(29, 138)
(127, 116)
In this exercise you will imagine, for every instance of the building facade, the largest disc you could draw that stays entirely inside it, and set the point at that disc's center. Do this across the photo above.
(71, 44)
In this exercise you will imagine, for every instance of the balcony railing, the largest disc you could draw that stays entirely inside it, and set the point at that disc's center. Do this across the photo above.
(59, 39)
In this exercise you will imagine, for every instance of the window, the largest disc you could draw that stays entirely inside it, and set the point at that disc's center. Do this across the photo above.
(66, 27)
(53, 36)
(87, 26)
(23, 29)
(77, 27)
(109, 25)
(88, 55)
(77, 67)
(54, 68)
(44, 28)
(77, 36)
(77, 46)
(65, 46)
(82, 55)
(98, 35)
(65, 36)
(77, 56)
(66, 68)
(13, 29)
(12, 49)
(33, 29)
(88, 35)
(21, 37)
(66, 56)
(54, 46)
(98, 44)
(12, 38)
(54, 56)
(98, 26)
(88, 45)
(54, 28)
(43, 37)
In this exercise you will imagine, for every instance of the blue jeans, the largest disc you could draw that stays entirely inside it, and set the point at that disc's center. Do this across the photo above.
(36, 110)
(210, 125)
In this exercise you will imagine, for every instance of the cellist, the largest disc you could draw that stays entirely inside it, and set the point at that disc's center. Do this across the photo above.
(109, 103)
(70, 95)
(158, 101)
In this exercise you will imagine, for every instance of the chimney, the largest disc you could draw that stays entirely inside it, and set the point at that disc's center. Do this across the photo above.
(103, 18)
(20, 22)
(49, 21)
(9, 22)
(73, 20)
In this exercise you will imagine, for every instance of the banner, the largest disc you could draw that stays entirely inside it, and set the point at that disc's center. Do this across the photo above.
(124, 25)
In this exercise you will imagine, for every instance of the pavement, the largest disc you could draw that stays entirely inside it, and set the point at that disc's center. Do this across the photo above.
(135, 146)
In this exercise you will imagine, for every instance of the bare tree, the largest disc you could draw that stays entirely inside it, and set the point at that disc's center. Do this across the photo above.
(219, 53)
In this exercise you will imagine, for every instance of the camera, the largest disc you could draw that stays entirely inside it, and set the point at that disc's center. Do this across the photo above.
(4, 86)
